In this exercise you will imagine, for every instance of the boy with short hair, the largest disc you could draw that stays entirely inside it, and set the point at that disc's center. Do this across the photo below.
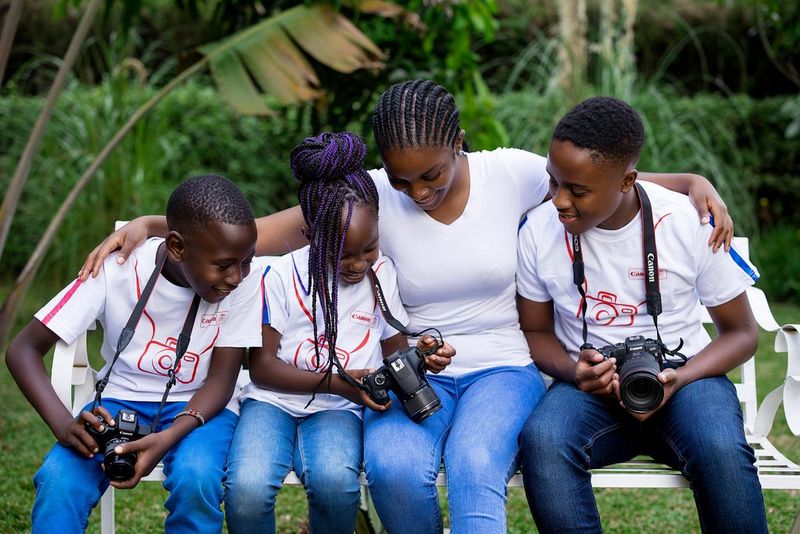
(204, 258)
(583, 284)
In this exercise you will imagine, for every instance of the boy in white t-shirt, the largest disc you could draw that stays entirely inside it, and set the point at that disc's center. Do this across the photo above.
(301, 411)
(204, 258)
(587, 279)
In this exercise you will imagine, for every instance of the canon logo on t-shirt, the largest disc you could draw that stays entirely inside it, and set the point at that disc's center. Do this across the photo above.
(367, 319)
(213, 319)
(637, 273)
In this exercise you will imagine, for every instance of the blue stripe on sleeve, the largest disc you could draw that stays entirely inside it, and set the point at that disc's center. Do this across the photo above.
(265, 305)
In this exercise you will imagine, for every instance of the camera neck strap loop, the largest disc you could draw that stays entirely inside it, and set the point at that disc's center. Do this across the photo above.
(126, 335)
(651, 274)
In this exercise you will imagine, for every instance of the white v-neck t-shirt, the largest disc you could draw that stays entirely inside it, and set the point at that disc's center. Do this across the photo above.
(460, 277)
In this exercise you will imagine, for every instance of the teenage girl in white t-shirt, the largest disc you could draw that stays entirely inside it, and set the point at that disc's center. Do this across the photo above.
(299, 412)
(449, 222)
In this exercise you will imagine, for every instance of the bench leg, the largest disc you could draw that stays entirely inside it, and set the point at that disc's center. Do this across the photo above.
(107, 512)
(796, 525)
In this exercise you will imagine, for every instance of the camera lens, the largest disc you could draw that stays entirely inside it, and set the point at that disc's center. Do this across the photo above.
(118, 466)
(640, 389)
(422, 404)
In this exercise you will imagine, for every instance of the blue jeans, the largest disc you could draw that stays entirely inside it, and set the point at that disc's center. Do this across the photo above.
(324, 449)
(699, 432)
(68, 485)
(476, 431)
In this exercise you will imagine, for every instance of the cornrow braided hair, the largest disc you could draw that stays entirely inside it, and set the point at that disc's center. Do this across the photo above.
(330, 169)
(416, 113)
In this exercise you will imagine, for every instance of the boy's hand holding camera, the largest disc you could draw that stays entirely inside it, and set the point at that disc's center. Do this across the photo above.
(72, 432)
(595, 375)
(670, 382)
(149, 451)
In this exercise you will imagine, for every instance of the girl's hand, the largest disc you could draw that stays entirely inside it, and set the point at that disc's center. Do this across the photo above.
(343, 388)
(437, 361)
(125, 239)
(708, 203)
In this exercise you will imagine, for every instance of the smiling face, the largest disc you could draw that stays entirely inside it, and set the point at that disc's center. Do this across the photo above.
(360, 250)
(589, 191)
(215, 259)
(426, 174)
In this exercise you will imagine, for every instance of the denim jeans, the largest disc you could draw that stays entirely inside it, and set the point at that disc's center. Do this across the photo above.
(476, 431)
(699, 432)
(68, 485)
(325, 451)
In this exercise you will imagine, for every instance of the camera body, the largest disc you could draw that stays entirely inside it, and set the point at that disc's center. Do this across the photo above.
(128, 428)
(639, 360)
(404, 373)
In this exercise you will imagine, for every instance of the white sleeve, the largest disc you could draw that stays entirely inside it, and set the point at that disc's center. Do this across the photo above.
(76, 307)
(528, 171)
(387, 276)
(529, 285)
(720, 277)
(276, 302)
(242, 328)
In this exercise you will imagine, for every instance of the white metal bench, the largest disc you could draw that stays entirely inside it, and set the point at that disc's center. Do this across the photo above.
(73, 379)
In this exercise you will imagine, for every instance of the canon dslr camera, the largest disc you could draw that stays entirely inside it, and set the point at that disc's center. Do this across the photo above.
(404, 373)
(128, 428)
(639, 360)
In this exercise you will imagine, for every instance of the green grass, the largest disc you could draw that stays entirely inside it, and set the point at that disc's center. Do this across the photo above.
(25, 441)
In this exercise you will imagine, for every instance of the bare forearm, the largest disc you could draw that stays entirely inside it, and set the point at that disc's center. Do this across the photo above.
(30, 375)
(278, 375)
(678, 182)
(280, 232)
(723, 354)
(550, 356)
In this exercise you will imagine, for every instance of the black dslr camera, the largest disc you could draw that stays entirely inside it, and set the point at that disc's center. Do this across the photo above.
(639, 360)
(404, 373)
(128, 428)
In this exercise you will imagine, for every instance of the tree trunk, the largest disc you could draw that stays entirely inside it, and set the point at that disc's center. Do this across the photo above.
(572, 52)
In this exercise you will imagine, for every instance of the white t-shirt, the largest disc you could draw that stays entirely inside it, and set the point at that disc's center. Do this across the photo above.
(459, 277)
(689, 274)
(141, 371)
(360, 328)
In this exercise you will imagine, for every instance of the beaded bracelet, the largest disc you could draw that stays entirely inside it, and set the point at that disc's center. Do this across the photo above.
(194, 413)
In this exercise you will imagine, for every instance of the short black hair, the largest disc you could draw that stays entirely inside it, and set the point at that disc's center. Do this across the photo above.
(607, 126)
(203, 199)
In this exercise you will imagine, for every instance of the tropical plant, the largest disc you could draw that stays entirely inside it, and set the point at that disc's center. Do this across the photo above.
(267, 53)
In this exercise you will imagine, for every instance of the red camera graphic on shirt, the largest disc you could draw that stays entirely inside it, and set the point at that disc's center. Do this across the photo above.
(606, 311)
(158, 358)
(305, 357)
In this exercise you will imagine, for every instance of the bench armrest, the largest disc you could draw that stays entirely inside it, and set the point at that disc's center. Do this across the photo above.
(72, 377)
(786, 340)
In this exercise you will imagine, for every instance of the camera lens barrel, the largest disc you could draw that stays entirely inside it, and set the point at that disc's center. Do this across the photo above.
(118, 466)
(422, 404)
(640, 389)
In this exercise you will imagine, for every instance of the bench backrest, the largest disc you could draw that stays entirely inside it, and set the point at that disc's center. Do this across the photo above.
(746, 386)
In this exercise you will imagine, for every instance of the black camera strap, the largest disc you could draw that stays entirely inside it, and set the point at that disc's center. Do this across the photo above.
(380, 298)
(126, 335)
(651, 279)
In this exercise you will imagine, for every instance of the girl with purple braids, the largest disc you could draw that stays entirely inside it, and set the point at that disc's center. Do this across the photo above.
(449, 222)
(299, 412)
